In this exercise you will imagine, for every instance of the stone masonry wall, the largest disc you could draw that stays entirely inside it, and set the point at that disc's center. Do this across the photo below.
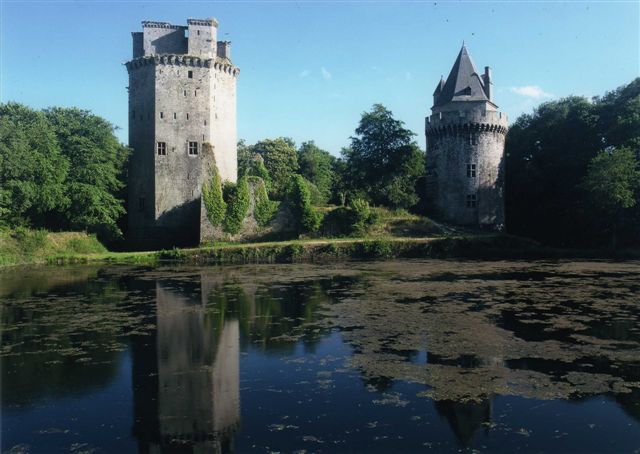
(456, 139)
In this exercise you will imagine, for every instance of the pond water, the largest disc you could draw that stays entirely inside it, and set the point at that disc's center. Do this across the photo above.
(397, 356)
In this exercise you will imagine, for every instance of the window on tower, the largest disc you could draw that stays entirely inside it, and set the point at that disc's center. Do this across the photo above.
(141, 204)
(193, 148)
(190, 74)
(161, 148)
(471, 170)
(161, 114)
(471, 201)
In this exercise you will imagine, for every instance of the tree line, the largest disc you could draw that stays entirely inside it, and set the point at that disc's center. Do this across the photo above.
(572, 174)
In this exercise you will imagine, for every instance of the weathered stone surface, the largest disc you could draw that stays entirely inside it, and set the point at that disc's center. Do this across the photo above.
(180, 92)
(465, 150)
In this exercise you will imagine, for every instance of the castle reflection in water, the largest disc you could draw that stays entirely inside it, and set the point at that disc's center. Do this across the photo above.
(186, 377)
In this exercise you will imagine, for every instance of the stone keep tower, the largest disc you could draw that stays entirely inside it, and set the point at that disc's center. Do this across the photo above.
(182, 119)
(465, 149)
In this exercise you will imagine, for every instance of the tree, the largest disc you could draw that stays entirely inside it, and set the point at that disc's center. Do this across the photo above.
(281, 160)
(298, 200)
(245, 156)
(317, 166)
(32, 168)
(547, 156)
(384, 161)
(212, 197)
(613, 180)
(97, 163)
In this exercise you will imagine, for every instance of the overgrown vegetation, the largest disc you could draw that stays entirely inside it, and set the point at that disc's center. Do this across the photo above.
(22, 245)
(298, 199)
(213, 199)
(264, 208)
(571, 171)
(237, 200)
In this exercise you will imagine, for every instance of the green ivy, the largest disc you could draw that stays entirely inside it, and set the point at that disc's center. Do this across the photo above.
(298, 199)
(237, 198)
(264, 208)
(213, 200)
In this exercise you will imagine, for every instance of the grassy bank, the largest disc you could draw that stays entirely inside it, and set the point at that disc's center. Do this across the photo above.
(23, 246)
(71, 248)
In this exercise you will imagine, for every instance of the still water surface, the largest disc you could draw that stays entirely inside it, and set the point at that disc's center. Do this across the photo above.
(397, 356)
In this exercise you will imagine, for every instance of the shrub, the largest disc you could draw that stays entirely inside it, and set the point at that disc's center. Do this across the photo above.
(298, 200)
(237, 199)
(212, 197)
(356, 219)
(264, 208)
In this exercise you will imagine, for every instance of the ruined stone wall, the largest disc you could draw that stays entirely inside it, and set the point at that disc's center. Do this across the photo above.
(457, 140)
(224, 136)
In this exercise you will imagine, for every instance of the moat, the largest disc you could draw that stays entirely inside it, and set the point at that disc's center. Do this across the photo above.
(390, 356)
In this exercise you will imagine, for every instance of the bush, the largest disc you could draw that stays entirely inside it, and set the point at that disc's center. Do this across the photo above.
(264, 208)
(298, 200)
(237, 199)
(356, 219)
(212, 197)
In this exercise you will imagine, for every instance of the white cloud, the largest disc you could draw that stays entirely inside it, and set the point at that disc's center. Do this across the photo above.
(304, 73)
(326, 75)
(531, 91)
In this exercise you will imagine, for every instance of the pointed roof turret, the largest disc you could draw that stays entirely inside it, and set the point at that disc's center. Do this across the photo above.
(463, 82)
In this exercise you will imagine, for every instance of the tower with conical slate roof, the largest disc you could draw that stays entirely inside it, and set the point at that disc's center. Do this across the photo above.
(465, 149)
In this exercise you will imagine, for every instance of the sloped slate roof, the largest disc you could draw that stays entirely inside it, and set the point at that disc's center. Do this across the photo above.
(463, 84)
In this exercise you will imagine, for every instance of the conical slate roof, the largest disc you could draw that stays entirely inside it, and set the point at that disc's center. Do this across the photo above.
(463, 84)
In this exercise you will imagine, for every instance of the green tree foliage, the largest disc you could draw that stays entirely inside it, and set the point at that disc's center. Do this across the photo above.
(547, 157)
(613, 181)
(264, 208)
(298, 200)
(317, 166)
(96, 171)
(237, 200)
(281, 160)
(245, 156)
(384, 162)
(212, 197)
(33, 171)
(356, 219)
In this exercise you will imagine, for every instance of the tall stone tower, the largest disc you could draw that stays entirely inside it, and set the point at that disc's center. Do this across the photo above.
(182, 119)
(465, 149)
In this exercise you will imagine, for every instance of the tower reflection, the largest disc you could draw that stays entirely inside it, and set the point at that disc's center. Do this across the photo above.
(186, 376)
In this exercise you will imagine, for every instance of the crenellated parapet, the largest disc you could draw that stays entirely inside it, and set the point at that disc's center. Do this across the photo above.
(465, 122)
(219, 64)
(155, 24)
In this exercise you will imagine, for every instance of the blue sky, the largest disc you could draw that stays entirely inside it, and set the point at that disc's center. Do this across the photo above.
(309, 69)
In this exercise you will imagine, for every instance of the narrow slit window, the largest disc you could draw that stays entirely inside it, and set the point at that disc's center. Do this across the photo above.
(161, 114)
(190, 74)
(161, 148)
(471, 170)
(141, 204)
(184, 92)
(193, 148)
(195, 92)
(175, 116)
(187, 116)
(471, 201)
(133, 114)
(205, 122)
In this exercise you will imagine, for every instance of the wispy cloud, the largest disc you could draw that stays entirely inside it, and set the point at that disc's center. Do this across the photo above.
(326, 75)
(304, 73)
(531, 91)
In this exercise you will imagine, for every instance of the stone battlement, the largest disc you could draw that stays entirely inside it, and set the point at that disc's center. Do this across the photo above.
(211, 22)
(154, 24)
(220, 64)
(466, 120)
